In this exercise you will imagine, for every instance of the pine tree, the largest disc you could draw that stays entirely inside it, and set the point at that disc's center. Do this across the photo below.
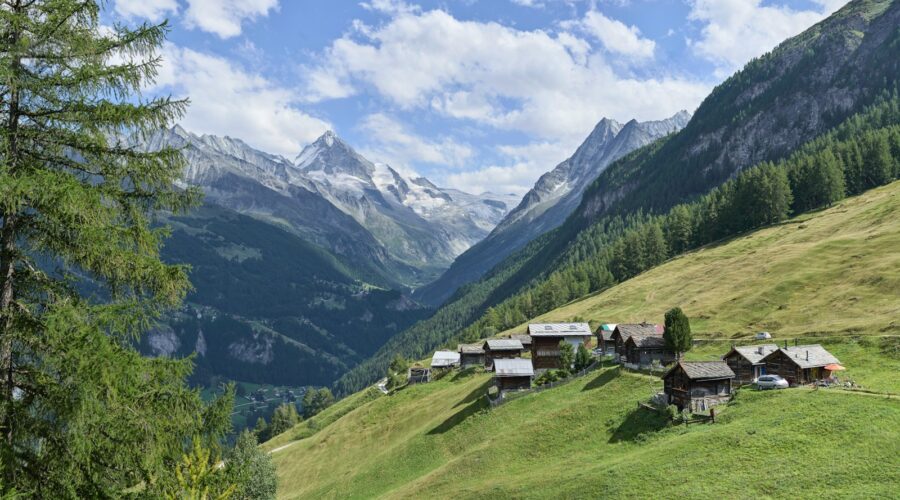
(877, 161)
(566, 356)
(677, 333)
(284, 418)
(251, 469)
(582, 358)
(82, 414)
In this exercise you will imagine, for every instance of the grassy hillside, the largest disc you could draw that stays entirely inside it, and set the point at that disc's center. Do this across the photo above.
(588, 438)
(832, 272)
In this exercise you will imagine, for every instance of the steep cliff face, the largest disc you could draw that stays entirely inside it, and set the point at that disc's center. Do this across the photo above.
(554, 197)
(805, 86)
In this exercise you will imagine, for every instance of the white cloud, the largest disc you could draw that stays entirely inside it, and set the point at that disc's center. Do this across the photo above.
(526, 163)
(154, 10)
(227, 100)
(736, 31)
(393, 143)
(390, 6)
(552, 87)
(616, 36)
(224, 17)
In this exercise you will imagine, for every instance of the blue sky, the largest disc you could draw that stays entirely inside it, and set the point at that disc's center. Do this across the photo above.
(474, 94)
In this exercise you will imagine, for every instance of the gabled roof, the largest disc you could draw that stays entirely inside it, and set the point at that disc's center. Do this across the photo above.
(643, 329)
(807, 356)
(647, 340)
(442, 359)
(558, 329)
(524, 339)
(703, 370)
(752, 352)
(503, 345)
(513, 367)
(471, 348)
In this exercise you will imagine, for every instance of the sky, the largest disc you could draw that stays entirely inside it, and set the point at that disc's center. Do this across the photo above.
(478, 95)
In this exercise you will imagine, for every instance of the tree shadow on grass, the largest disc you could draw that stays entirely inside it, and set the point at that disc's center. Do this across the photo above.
(474, 402)
(604, 378)
(638, 424)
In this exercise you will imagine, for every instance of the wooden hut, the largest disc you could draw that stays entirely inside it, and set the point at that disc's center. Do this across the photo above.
(604, 339)
(495, 349)
(444, 360)
(698, 385)
(622, 331)
(419, 375)
(747, 361)
(644, 350)
(804, 364)
(471, 355)
(545, 339)
(513, 374)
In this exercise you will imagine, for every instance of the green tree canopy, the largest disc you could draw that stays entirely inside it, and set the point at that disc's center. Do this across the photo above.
(566, 356)
(82, 414)
(677, 332)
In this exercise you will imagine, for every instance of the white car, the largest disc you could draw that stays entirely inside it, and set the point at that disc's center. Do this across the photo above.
(763, 336)
(771, 382)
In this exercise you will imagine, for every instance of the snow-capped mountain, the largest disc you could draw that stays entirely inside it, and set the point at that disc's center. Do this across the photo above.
(553, 198)
(402, 227)
(418, 222)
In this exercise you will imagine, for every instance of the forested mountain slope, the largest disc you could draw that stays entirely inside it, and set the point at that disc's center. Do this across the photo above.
(553, 198)
(860, 40)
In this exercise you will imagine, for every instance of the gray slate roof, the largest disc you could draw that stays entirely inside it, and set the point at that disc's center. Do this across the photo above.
(643, 329)
(471, 348)
(606, 334)
(810, 356)
(504, 345)
(648, 340)
(524, 339)
(751, 352)
(700, 370)
(559, 329)
(514, 367)
(442, 359)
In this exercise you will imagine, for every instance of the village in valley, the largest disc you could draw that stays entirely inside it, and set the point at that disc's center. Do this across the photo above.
(548, 354)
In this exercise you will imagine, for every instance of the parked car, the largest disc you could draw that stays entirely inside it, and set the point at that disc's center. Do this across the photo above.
(763, 336)
(771, 382)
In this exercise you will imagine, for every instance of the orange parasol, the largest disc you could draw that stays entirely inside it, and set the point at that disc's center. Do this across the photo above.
(834, 367)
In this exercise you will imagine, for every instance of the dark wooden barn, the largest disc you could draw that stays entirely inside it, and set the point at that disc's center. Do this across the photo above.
(644, 350)
(698, 385)
(495, 349)
(804, 364)
(471, 355)
(513, 374)
(747, 361)
(545, 339)
(621, 333)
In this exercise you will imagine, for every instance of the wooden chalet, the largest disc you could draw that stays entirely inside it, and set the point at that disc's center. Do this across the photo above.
(604, 339)
(513, 374)
(622, 331)
(545, 339)
(495, 349)
(444, 360)
(698, 385)
(644, 350)
(747, 361)
(471, 355)
(418, 375)
(804, 364)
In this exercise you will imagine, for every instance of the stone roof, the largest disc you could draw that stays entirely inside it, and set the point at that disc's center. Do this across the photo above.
(754, 353)
(513, 367)
(643, 329)
(524, 339)
(809, 356)
(471, 348)
(700, 370)
(503, 345)
(641, 340)
(558, 329)
(442, 359)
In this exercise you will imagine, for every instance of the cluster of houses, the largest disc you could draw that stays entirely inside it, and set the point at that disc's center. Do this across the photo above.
(695, 385)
